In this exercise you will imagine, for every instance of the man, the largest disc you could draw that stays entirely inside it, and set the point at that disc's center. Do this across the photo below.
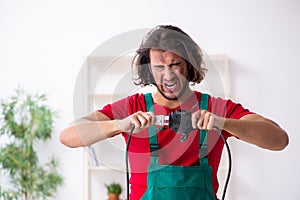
(163, 164)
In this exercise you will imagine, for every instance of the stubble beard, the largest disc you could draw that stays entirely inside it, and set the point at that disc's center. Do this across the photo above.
(185, 86)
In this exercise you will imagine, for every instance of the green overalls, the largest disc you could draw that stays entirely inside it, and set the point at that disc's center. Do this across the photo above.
(170, 182)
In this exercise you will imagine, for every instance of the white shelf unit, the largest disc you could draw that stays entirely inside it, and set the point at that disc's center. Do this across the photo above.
(108, 79)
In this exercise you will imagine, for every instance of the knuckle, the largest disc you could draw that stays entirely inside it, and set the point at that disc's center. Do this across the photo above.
(208, 114)
(202, 112)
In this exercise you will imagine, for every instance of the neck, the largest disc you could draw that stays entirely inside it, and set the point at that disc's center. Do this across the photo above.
(158, 98)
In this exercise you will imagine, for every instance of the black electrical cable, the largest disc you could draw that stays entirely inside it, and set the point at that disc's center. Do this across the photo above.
(228, 152)
(127, 162)
(229, 161)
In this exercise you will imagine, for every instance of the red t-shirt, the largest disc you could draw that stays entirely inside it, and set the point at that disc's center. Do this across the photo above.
(172, 151)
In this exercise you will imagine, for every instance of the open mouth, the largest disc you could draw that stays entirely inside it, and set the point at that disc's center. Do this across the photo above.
(171, 86)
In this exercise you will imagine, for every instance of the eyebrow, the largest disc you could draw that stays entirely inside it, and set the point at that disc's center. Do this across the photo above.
(156, 65)
(170, 65)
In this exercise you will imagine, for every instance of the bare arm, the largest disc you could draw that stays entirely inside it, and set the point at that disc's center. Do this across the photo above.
(97, 126)
(251, 128)
(88, 130)
(258, 130)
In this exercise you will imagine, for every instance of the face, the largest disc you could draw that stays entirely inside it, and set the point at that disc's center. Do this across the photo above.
(170, 73)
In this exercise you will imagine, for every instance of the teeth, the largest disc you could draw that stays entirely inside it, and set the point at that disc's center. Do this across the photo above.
(170, 85)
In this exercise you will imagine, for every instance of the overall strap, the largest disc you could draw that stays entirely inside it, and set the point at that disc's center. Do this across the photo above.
(203, 148)
(151, 129)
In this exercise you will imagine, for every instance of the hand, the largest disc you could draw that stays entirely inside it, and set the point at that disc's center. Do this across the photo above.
(202, 119)
(140, 120)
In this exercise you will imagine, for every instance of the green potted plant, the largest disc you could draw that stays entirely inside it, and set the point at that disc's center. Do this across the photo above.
(113, 191)
(26, 119)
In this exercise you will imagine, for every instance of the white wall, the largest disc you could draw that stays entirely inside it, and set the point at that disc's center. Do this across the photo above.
(43, 45)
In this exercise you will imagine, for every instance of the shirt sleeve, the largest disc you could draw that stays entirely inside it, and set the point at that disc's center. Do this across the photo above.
(117, 109)
(228, 109)
(124, 107)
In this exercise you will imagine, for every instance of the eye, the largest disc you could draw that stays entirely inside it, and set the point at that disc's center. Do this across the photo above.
(158, 67)
(175, 65)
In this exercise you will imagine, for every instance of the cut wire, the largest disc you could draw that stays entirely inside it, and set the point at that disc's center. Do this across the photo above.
(228, 152)
(229, 161)
(127, 162)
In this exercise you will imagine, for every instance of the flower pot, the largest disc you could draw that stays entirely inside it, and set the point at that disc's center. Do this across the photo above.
(112, 196)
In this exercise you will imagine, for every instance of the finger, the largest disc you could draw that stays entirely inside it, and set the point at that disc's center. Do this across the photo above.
(206, 120)
(201, 119)
(135, 121)
(195, 117)
(147, 118)
(142, 118)
(151, 118)
(211, 122)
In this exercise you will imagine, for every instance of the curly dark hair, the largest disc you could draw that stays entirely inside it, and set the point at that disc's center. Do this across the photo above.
(173, 39)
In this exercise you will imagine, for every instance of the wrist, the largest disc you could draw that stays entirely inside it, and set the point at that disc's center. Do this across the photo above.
(116, 124)
(109, 127)
(121, 125)
(220, 122)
